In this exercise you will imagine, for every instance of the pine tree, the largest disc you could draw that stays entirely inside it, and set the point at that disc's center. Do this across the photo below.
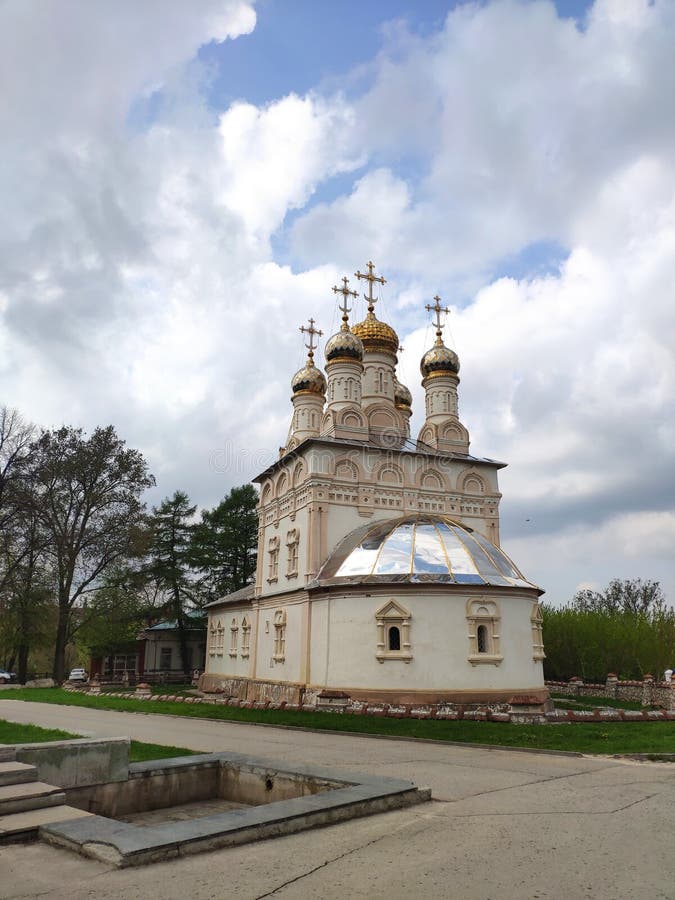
(171, 529)
(224, 544)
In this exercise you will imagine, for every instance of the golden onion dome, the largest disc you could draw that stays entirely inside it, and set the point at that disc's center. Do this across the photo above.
(402, 396)
(439, 361)
(344, 345)
(376, 335)
(309, 380)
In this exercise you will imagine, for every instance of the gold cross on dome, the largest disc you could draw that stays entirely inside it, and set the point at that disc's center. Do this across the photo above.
(438, 309)
(311, 331)
(346, 293)
(371, 279)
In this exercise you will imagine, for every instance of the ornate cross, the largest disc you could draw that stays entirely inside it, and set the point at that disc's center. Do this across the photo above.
(311, 331)
(371, 279)
(346, 293)
(438, 309)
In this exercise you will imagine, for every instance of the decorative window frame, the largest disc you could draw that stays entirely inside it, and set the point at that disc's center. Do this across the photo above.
(213, 638)
(393, 615)
(220, 638)
(234, 637)
(279, 654)
(245, 638)
(484, 612)
(273, 551)
(536, 623)
(293, 544)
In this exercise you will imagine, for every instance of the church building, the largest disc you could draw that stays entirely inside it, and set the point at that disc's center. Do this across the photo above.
(380, 577)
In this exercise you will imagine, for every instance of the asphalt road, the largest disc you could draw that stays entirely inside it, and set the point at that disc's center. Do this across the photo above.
(502, 825)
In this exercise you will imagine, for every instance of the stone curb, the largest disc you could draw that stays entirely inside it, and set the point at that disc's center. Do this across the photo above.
(558, 717)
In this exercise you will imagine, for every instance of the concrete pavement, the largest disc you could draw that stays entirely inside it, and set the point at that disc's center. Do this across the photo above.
(502, 824)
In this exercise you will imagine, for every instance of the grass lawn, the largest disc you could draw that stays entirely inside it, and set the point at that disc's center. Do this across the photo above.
(563, 701)
(600, 737)
(14, 733)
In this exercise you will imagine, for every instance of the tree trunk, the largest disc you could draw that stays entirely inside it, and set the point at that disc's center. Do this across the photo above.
(59, 669)
(22, 674)
(182, 639)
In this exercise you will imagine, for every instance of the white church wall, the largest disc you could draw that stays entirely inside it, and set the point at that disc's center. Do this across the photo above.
(294, 524)
(281, 645)
(345, 642)
(226, 656)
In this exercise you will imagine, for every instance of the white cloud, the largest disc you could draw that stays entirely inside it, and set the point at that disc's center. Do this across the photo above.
(374, 210)
(276, 155)
(140, 282)
(514, 120)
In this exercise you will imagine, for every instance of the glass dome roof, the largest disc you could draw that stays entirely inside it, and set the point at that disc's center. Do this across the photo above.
(420, 549)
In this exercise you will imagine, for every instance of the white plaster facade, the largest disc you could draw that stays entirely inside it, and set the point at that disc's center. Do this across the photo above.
(349, 466)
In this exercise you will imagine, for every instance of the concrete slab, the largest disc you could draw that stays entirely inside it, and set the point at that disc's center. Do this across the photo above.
(20, 797)
(509, 825)
(23, 824)
(16, 773)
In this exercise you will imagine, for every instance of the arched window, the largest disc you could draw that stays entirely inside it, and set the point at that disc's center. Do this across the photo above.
(292, 542)
(280, 635)
(393, 632)
(483, 619)
(273, 547)
(245, 637)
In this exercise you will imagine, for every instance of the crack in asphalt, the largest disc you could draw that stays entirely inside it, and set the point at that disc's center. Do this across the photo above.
(323, 865)
(540, 812)
(416, 821)
(420, 820)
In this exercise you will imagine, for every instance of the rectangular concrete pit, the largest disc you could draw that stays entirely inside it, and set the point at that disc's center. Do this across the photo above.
(78, 762)
(162, 784)
(282, 802)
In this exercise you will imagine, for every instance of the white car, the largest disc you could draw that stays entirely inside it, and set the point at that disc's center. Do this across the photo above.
(77, 675)
(6, 677)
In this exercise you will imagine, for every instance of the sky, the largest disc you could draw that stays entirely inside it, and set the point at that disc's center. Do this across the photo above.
(183, 183)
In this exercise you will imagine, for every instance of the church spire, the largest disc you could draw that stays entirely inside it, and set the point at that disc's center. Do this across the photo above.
(371, 279)
(312, 332)
(344, 354)
(439, 360)
(438, 309)
(309, 393)
(346, 293)
(376, 336)
(440, 377)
